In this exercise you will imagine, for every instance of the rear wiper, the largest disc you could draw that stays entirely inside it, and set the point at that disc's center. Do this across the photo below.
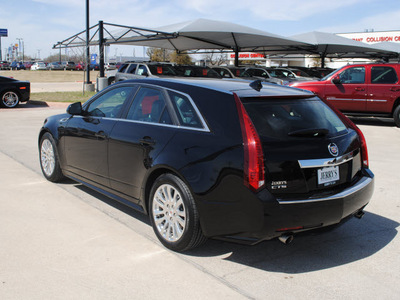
(311, 132)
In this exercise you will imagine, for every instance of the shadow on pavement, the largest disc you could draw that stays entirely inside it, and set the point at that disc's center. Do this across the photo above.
(353, 241)
(373, 121)
(309, 251)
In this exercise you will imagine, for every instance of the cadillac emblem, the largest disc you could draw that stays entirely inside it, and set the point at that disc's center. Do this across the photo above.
(333, 149)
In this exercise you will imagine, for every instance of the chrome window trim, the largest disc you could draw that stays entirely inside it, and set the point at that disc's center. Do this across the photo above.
(149, 123)
(325, 162)
(347, 192)
(164, 125)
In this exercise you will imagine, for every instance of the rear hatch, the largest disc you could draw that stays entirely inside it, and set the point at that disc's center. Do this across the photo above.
(308, 150)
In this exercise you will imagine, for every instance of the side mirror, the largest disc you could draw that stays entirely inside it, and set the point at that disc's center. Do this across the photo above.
(336, 79)
(75, 109)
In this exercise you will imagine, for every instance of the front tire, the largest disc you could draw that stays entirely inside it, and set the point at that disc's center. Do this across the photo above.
(9, 99)
(49, 161)
(396, 115)
(174, 215)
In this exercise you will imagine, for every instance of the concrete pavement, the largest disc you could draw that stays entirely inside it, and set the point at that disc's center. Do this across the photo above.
(55, 247)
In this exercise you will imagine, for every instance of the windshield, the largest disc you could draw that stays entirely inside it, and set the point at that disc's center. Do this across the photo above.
(286, 119)
(329, 75)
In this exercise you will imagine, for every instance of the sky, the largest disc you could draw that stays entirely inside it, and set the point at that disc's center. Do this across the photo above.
(41, 23)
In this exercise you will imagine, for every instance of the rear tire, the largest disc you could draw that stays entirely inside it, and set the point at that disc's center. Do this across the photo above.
(396, 115)
(49, 161)
(9, 99)
(174, 215)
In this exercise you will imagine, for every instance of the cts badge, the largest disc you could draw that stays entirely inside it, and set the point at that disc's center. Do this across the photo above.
(333, 149)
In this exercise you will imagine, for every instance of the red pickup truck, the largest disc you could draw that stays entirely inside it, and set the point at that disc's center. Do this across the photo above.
(362, 89)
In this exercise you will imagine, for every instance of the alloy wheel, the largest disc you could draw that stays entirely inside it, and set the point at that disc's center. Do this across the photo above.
(47, 157)
(10, 99)
(169, 213)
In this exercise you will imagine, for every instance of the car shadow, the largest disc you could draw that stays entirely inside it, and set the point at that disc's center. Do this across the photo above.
(111, 202)
(310, 251)
(373, 121)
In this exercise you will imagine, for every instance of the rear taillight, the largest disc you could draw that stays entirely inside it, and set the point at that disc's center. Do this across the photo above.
(364, 150)
(254, 173)
(349, 123)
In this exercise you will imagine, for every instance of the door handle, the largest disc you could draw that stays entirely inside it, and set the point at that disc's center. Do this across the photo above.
(100, 134)
(147, 141)
(395, 89)
(359, 89)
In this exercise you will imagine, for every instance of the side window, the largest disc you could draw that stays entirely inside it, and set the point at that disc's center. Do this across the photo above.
(184, 110)
(149, 106)
(383, 75)
(109, 104)
(122, 68)
(353, 75)
(142, 70)
(132, 69)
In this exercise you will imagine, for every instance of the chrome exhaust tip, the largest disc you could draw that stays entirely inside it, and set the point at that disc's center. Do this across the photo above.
(286, 238)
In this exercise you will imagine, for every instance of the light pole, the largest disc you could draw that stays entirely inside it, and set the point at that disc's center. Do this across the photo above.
(60, 53)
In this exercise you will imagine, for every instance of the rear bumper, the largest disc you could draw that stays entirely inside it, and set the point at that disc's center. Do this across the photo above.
(297, 215)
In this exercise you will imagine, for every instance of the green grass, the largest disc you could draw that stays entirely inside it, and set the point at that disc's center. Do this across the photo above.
(62, 96)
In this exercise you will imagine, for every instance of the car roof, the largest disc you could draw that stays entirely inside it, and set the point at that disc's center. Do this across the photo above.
(241, 87)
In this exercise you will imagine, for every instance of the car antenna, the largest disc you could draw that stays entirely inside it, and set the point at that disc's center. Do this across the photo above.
(256, 85)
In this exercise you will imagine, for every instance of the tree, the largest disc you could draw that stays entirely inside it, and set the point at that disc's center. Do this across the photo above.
(180, 58)
(216, 58)
(157, 54)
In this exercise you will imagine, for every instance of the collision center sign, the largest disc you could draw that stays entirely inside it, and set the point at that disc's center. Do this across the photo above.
(248, 55)
(374, 36)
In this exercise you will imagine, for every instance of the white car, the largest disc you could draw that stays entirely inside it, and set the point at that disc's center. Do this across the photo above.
(110, 66)
(39, 66)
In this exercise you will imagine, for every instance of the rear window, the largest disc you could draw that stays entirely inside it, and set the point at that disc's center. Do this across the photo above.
(285, 119)
(162, 70)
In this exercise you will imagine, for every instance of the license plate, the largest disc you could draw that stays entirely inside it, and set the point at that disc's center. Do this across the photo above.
(329, 175)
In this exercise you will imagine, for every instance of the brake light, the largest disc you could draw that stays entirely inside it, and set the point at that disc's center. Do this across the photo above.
(364, 150)
(254, 173)
(349, 123)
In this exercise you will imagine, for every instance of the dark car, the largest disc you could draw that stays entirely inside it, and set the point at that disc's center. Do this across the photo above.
(213, 158)
(17, 65)
(68, 65)
(55, 66)
(4, 65)
(361, 89)
(28, 64)
(196, 71)
(13, 91)
(247, 73)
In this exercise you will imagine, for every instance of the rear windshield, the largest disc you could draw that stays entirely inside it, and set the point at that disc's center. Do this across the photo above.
(286, 119)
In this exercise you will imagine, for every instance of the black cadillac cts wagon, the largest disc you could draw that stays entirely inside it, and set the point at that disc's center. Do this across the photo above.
(211, 158)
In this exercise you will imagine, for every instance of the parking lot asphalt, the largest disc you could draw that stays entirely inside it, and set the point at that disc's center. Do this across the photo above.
(64, 241)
